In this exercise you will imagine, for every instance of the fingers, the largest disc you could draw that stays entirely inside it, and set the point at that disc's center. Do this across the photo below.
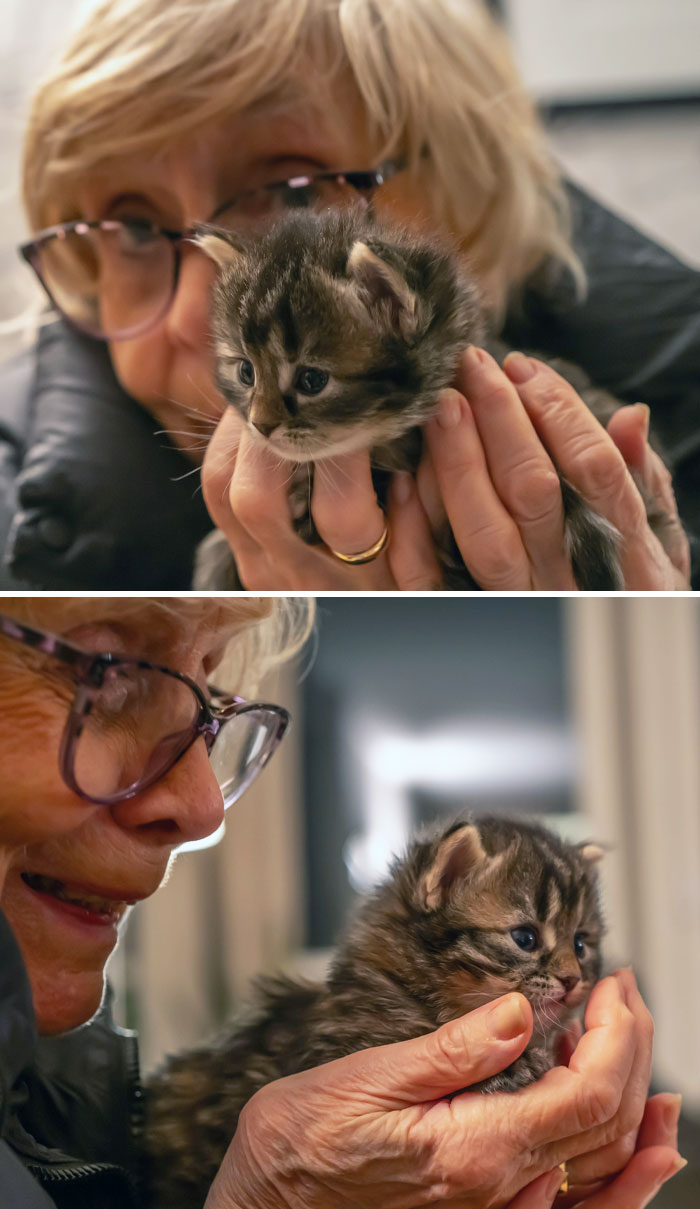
(586, 456)
(486, 534)
(411, 551)
(541, 1193)
(522, 471)
(458, 1054)
(246, 492)
(660, 1121)
(638, 1184)
(629, 429)
(579, 445)
(613, 1156)
(573, 1109)
(344, 505)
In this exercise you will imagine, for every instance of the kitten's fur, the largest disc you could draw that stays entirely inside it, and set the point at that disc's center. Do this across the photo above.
(431, 943)
(386, 314)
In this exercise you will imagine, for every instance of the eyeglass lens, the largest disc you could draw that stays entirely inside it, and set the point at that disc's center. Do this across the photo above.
(113, 282)
(243, 746)
(141, 720)
(109, 281)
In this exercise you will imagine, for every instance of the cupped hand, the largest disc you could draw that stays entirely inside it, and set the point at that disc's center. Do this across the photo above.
(491, 469)
(246, 487)
(488, 470)
(384, 1127)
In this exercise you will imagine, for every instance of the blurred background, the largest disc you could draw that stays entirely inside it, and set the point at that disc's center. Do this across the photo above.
(584, 713)
(618, 82)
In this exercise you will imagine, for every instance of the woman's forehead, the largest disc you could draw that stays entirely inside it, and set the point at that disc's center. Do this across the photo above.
(239, 152)
(159, 621)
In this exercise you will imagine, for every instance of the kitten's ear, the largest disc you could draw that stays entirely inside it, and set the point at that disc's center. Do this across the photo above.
(224, 249)
(592, 853)
(384, 289)
(458, 856)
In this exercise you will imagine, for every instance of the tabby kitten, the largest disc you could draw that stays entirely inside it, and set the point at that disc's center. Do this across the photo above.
(470, 912)
(335, 333)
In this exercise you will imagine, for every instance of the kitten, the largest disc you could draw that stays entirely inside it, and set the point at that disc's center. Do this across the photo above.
(333, 333)
(471, 911)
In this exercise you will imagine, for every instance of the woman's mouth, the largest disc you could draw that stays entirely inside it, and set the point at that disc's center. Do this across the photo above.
(77, 900)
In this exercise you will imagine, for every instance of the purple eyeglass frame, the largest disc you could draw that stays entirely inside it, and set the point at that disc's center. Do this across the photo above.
(364, 181)
(90, 668)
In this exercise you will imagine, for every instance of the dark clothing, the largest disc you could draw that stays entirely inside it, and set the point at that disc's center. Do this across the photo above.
(91, 497)
(70, 1105)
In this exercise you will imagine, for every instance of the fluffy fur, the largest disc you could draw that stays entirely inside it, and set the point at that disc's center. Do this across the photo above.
(434, 941)
(335, 333)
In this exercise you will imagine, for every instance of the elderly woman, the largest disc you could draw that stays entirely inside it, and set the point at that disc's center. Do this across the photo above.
(167, 113)
(138, 756)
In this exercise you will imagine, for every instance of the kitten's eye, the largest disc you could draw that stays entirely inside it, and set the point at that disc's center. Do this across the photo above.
(525, 938)
(579, 945)
(246, 373)
(311, 381)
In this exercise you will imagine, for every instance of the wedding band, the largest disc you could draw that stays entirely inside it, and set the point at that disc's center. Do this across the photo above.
(564, 1186)
(365, 556)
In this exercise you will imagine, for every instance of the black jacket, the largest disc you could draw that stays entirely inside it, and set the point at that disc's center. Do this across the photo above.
(70, 1106)
(92, 498)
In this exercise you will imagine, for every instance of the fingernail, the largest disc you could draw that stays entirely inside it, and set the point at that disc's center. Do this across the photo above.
(677, 1165)
(519, 368)
(449, 411)
(554, 1183)
(644, 411)
(672, 1112)
(475, 357)
(402, 487)
(507, 1019)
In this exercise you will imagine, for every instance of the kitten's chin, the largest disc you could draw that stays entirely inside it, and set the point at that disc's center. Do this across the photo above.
(317, 450)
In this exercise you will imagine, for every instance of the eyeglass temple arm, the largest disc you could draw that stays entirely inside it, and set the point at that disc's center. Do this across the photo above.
(41, 640)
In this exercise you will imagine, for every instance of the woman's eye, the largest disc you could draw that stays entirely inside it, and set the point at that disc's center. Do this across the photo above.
(137, 233)
(525, 938)
(579, 945)
(311, 381)
(246, 373)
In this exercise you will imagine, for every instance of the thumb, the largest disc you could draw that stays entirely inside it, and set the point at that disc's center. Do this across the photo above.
(458, 1054)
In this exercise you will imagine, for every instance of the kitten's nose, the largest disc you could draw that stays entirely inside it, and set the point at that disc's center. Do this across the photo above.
(569, 981)
(265, 428)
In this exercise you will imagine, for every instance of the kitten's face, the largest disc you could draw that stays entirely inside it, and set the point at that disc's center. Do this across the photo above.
(321, 343)
(307, 391)
(522, 915)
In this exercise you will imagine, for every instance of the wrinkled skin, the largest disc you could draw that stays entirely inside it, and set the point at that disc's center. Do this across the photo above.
(375, 1128)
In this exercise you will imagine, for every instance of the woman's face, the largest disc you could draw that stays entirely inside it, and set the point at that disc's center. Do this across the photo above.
(115, 854)
(169, 368)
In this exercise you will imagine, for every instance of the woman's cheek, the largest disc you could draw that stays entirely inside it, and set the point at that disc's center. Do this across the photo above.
(35, 804)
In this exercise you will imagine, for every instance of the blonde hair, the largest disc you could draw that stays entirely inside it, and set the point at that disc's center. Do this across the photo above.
(260, 633)
(435, 76)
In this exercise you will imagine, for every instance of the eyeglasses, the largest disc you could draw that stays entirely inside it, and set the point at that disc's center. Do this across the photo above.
(116, 278)
(131, 720)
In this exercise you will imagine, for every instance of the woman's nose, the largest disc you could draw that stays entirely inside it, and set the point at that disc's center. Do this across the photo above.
(187, 321)
(185, 805)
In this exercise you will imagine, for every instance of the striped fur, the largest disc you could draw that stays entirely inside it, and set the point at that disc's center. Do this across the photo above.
(431, 943)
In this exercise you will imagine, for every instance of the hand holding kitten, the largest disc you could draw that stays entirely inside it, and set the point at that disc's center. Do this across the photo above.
(475, 472)
(336, 1136)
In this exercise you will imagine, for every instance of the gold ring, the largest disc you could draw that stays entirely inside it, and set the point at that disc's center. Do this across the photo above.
(365, 556)
(564, 1186)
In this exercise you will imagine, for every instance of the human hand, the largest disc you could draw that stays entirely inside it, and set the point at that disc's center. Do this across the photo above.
(490, 466)
(245, 489)
(657, 1125)
(377, 1127)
